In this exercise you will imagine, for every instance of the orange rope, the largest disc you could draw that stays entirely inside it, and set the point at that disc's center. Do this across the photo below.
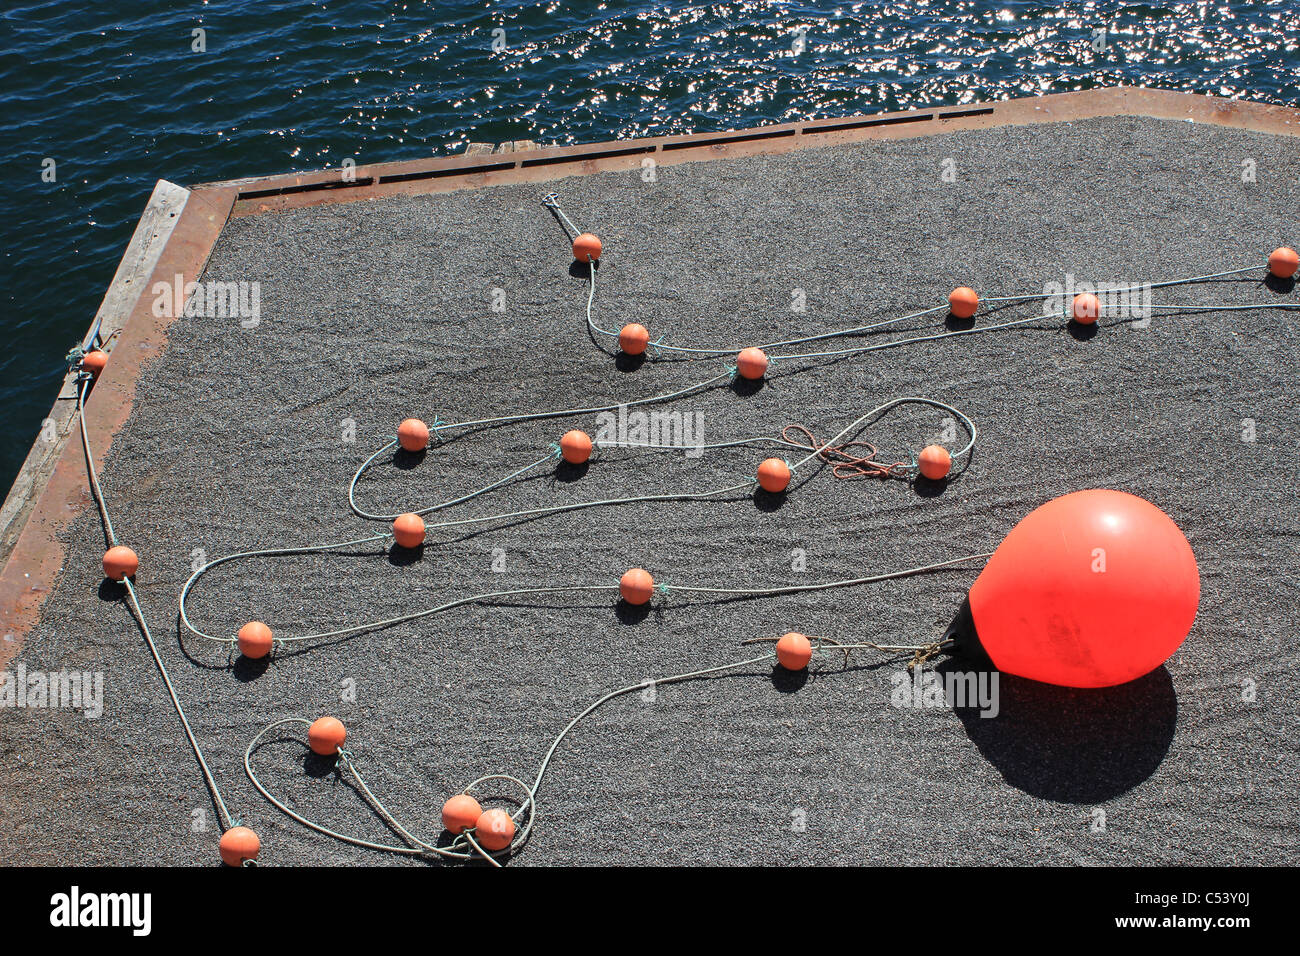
(843, 463)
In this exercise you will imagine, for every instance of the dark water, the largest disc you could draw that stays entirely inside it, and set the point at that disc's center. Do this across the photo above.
(114, 93)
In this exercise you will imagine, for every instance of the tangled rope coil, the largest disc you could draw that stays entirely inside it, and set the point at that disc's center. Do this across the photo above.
(843, 464)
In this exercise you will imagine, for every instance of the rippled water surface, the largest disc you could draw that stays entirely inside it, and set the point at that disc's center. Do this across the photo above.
(116, 95)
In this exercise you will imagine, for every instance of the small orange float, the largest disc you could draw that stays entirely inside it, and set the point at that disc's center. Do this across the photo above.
(633, 338)
(962, 302)
(793, 651)
(413, 435)
(326, 735)
(255, 640)
(94, 361)
(934, 462)
(1087, 308)
(460, 813)
(774, 475)
(586, 248)
(239, 844)
(1283, 262)
(408, 530)
(575, 447)
(751, 363)
(495, 829)
(636, 586)
(120, 562)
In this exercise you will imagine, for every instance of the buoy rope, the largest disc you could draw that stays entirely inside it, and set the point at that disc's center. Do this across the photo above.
(227, 821)
(488, 596)
(658, 345)
(899, 469)
(834, 451)
(902, 470)
(464, 846)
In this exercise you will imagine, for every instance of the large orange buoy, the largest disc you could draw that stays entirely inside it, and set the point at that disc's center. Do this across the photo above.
(255, 640)
(1092, 589)
(751, 363)
(774, 475)
(120, 562)
(636, 586)
(413, 435)
(586, 247)
(495, 829)
(575, 447)
(1283, 262)
(94, 361)
(239, 844)
(1086, 308)
(460, 813)
(962, 302)
(408, 530)
(633, 338)
(326, 735)
(793, 651)
(934, 462)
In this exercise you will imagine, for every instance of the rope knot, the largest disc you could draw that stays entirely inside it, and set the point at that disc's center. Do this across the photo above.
(924, 654)
(844, 464)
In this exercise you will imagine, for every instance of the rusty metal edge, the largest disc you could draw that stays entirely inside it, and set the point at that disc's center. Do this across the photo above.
(33, 565)
(256, 196)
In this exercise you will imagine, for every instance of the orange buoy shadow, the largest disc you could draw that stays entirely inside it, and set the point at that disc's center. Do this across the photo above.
(929, 487)
(628, 613)
(406, 460)
(1280, 285)
(788, 681)
(567, 471)
(111, 591)
(628, 363)
(1082, 332)
(402, 557)
(958, 323)
(745, 387)
(248, 669)
(769, 502)
(581, 270)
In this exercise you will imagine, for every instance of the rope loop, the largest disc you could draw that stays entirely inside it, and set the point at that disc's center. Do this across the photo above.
(844, 464)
